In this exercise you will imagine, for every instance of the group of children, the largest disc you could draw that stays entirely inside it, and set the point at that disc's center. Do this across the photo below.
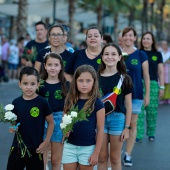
(87, 144)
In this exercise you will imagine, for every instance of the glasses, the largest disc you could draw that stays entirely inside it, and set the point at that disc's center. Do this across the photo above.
(56, 35)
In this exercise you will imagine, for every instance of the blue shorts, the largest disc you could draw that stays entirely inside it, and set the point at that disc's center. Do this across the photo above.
(136, 106)
(12, 66)
(57, 133)
(80, 154)
(114, 123)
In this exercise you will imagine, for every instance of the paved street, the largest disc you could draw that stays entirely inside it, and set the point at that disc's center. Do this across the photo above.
(146, 156)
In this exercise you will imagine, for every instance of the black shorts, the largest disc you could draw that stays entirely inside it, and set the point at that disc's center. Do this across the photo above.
(15, 162)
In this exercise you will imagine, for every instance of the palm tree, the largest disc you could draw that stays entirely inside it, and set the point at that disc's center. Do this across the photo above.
(22, 18)
(71, 12)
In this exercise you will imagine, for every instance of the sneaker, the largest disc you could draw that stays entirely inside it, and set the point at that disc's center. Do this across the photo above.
(127, 160)
(138, 140)
(151, 138)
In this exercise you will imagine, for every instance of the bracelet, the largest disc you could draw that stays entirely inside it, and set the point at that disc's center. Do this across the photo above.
(127, 127)
(162, 87)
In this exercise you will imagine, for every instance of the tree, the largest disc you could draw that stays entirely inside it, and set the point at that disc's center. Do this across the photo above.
(22, 18)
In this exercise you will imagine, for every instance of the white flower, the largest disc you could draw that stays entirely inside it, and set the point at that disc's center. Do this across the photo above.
(62, 125)
(124, 54)
(73, 114)
(67, 119)
(9, 107)
(10, 116)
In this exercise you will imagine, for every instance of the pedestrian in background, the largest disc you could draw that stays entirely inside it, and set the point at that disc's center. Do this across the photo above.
(13, 60)
(90, 55)
(40, 42)
(56, 39)
(156, 73)
(137, 68)
(165, 51)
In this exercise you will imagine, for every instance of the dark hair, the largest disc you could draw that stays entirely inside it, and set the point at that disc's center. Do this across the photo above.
(107, 38)
(127, 29)
(29, 71)
(153, 39)
(120, 65)
(61, 73)
(40, 23)
(73, 94)
(55, 26)
(66, 29)
(94, 27)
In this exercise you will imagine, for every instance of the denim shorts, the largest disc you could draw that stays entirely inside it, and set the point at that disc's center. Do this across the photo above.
(80, 154)
(136, 106)
(57, 133)
(114, 123)
(12, 66)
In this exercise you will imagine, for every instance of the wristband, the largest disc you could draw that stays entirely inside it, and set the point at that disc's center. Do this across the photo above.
(162, 87)
(127, 127)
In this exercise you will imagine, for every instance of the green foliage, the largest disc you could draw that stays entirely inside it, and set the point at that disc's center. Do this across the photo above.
(2, 114)
(81, 116)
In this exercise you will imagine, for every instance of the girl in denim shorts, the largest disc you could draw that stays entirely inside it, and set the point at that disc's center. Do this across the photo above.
(83, 145)
(54, 89)
(117, 122)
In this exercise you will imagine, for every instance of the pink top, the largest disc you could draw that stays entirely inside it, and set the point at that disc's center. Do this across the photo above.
(5, 48)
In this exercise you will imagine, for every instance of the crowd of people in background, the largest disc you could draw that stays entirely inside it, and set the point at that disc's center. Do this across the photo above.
(83, 76)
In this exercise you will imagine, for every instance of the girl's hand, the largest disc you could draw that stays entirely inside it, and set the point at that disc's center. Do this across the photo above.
(124, 135)
(161, 93)
(93, 160)
(67, 134)
(42, 147)
(13, 130)
(146, 100)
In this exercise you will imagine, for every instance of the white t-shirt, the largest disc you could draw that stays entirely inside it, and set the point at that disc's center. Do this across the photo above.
(14, 55)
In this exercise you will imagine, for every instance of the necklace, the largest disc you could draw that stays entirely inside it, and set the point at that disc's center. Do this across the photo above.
(92, 54)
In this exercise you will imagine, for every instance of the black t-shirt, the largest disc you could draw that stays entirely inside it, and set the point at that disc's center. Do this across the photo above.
(154, 58)
(79, 58)
(31, 116)
(65, 55)
(52, 92)
(84, 132)
(108, 84)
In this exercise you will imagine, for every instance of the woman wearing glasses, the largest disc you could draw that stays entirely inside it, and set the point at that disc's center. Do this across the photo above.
(56, 39)
(91, 55)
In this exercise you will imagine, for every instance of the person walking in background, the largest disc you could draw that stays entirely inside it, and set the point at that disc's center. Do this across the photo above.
(107, 39)
(67, 45)
(90, 55)
(40, 42)
(117, 123)
(32, 111)
(13, 60)
(5, 53)
(148, 45)
(84, 142)
(137, 68)
(165, 51)
(56, 39)
(54, 89)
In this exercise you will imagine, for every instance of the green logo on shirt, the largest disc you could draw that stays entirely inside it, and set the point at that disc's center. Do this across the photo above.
(154, 58)
(134, 62)
(64, 63)
(34, 112)
(57, 94)
(119, 90)
(99, 61)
